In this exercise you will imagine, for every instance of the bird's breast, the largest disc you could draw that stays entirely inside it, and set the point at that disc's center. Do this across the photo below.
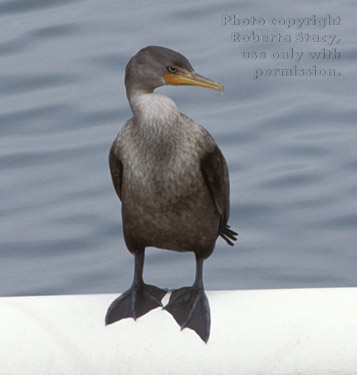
(159, 178)
(163, 191)
(161, 162)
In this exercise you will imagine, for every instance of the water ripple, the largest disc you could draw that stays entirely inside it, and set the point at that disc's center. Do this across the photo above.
(111, 60)
(15, 120)
(20, 83)
(56, 31)
(23, 6)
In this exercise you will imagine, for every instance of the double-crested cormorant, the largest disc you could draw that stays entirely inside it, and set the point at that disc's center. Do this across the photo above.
(172, 180)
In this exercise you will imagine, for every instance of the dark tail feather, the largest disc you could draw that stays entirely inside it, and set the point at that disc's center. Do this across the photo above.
(228, 234)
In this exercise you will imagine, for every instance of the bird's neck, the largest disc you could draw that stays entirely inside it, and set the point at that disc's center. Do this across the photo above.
(151, 109)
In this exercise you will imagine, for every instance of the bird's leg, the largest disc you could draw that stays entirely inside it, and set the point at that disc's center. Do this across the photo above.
(189, 305)
(139, 299)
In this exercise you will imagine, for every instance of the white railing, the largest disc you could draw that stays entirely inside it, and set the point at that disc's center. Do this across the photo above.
(253, 332)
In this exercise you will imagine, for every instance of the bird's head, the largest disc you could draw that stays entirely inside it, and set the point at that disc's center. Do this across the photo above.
(155, 66)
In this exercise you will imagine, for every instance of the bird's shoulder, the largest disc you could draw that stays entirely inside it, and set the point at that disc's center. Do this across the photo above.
(122, 139)
(199, 134)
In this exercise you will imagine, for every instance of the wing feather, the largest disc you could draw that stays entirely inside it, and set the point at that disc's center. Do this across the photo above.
(215, 172)
(116, 169)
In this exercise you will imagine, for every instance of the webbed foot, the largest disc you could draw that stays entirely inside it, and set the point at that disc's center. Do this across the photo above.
(135, 302)
(190, 308)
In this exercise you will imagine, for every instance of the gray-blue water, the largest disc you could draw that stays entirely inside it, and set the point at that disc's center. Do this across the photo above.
(290, 143)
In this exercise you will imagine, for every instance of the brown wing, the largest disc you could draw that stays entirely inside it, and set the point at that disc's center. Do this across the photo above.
(215, 172)
(116, 170)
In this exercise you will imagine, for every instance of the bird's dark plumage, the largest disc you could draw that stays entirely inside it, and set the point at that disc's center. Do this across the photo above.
(173, 182)
(116, 171)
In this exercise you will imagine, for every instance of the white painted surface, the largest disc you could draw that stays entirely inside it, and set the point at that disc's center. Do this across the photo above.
(267, 332)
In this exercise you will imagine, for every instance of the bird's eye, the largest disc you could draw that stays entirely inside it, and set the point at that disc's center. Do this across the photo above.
(172, 69)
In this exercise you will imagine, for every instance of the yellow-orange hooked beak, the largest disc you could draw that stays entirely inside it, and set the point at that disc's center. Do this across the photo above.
(193, 79)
